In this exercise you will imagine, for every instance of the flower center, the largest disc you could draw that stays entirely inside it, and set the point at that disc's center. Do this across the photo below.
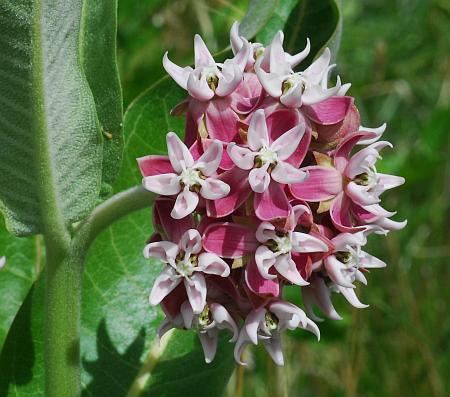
(210, 74)
(186, 265)
(192, 178)
(281, 243)
(205, 317)
(271, 321)
(295, 80)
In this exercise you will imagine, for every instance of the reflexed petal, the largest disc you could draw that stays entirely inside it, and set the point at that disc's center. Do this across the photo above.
(287, 268)
(202, 55)
(294, 60)
(265, 259)
(165, 184)
(302, 242)
(369, 261)
(180, 75)
(287, 143)
(351, 297)
(389, 181)
(315, 72)
(243, 158)
(165, 251)
(271, 82)
(343, 240)
(221, 120)
(322, 183)
(265, 232)
(213, 189)
(164, 284)
(365, 159)
(258, 135)
(224, 320)
(229, 240)
(259, 178)
(271, 204)
(239, 347)
(191, 242)
(209, 161)
(209, 344)
(154, 165)
(318, 293)
(179, 154)
(286, 173)
(212, 264)
(361, 195)
(258, 284)
(273, 347)
(315, 93)
(334, 270)
(185, 204)
(196, 292)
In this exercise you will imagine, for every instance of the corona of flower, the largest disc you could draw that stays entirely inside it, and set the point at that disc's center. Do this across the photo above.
(275, 184)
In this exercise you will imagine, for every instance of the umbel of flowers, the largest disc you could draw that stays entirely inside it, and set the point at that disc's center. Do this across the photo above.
(275, 184)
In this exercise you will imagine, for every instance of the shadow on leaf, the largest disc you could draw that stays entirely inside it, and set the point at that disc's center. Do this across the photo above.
(113, 373)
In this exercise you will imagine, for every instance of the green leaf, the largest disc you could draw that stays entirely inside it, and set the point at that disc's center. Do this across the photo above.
(257, 16)
(24, 262)
(98, 52)
(50, 142)
(120, 354)
(276, 22)
(320, 20)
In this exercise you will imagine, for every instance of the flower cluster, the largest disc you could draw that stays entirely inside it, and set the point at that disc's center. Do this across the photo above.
(275, 184)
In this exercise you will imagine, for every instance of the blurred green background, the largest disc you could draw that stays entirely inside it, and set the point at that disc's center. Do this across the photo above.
(396, 53)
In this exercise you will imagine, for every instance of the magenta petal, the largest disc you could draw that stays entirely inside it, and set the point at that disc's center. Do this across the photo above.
(229, 240)
(323, 183)
(221, 120)
(331, 111)
(343, 150)
(272, 204)
(258, 284)
(237, 179)
(154, 165)
(341, 215)
(173, 228)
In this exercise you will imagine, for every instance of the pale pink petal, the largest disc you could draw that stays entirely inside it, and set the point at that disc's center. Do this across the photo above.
(231, 77)
(351, 297)
(273, 347)
(196, 291)
(271, 82)
(334, 270)
(318, 293)
(389, 181)
(209, 344)
(202, 55)
(185, 204)
(221, 120)
(258, 284)
(361, 195)
(365, 159)
(224, 320)
(265, 259)
(154, 165)
(209, 161)
(322, 183)
(265, 232)
(191, 242)
(239, 347)
(229, 240)
(252, 323)
(286, 267)
(213, 189)
(163, 285)
(243, 158)
(165, 326)
(258, 135)
(211, 264)
(165, 251)
(315, 94)
(369, 261)
(389, 224)
(278, 63)
(259, 178)
(272, 204)
(293, 97)
(331, 111)
(165, 184)
(294, 60)
(302, 242)
(287, 143)
(237, 179)
(180, 75)
(187, 314)
(286, 173)
(198, 87)
(179, 154)
(342, 153)
(378, 132)
(343, 240)
(315, 72)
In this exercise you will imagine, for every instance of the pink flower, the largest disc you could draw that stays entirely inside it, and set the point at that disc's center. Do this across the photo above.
(184, 176)
(351, 187)
(266, 325)
(186, 263)
(209, 78)
(213, 318)
(295, 89)
(267, 160)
